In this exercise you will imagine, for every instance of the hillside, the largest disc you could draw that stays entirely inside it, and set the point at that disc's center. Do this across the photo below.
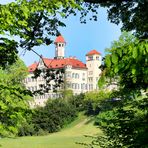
(66, 138)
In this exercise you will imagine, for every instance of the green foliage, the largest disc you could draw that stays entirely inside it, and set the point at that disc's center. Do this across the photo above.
(35, 22)
(125, 122)
(93, 102)
(68, 137)
(77, 101)
(127, 59)
(51, 118)
(50, 75)
(13, 99)
(32, 22)
(67, 93)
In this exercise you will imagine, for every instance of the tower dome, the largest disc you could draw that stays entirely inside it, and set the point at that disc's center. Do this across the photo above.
(59, 39)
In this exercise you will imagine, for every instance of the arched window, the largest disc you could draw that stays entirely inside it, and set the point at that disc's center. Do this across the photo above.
(76, 75)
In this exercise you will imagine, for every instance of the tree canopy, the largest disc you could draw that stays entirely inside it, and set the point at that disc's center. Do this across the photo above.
(125, 123)
(14, 98)
(34, 22)
(127, 60)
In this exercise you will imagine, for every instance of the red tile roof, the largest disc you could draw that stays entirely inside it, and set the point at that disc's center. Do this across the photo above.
(60, 39)
(92, 52)
(60, 63)
(32, 67)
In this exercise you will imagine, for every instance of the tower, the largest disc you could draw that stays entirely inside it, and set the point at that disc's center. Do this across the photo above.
(60, 47)
(93, 62)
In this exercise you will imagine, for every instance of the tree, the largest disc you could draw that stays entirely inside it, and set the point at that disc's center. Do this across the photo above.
(132, 14)
(127, 58)
(35, 22)
(125, 124)
(14, 105)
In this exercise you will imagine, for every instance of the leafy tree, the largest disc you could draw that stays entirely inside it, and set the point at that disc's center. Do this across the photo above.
(127, 59)
(125, 124)
(35, 22)
(13, 99)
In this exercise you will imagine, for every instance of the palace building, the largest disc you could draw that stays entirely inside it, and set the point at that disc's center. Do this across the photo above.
(80, 77)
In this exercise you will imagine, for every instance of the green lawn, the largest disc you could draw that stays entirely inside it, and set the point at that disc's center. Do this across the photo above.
(67, 138)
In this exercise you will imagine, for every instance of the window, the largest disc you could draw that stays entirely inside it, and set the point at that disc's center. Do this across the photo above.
(83, 76)
(90, 79)
(86, 86)
(73, 75)
(69, 85)
(59, 45)
(75, 86)
(68, 75)
(76, 75)
(90, 58)
(97, 58)
(91, 86)
(29, 79)
(81, 86)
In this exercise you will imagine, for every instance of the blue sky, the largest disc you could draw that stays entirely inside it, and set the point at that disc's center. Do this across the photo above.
(80, 38)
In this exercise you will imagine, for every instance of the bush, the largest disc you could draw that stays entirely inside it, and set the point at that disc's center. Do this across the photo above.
(55, 115)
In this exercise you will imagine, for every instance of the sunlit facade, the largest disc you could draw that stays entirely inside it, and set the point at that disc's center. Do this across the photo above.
(79, 77)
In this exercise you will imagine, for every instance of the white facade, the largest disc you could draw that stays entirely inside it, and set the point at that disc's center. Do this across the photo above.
(79, 77)
(93, 62)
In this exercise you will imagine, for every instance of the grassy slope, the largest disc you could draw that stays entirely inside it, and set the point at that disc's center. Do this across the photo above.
(66, 138)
